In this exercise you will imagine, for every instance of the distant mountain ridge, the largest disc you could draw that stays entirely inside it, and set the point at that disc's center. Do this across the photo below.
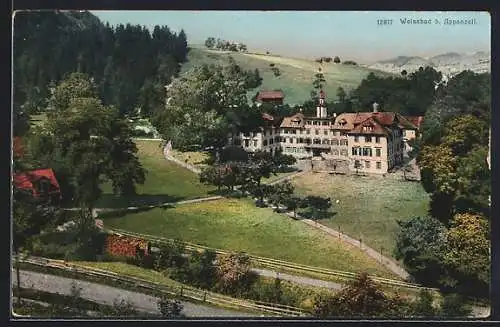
(447, 63)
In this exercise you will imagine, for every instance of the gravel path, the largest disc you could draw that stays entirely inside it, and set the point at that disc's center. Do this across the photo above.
(298, 279)
(106, 295)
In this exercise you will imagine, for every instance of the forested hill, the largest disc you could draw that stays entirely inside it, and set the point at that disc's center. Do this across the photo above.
(129, 64)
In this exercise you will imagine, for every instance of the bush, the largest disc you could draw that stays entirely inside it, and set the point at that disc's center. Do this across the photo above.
(350, 62)
(170, 308)
(170, 256)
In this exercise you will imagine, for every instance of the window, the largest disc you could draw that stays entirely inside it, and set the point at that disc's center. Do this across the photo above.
(317, 141)
(317, 132)
(291, 140)
(286, 131)
(308, 122)
(246, 134)
(343, 134)
(368, 138)
(271, 141)
(326, 141)
(335, 142)
(264, 142)
(335, 152)
(367, 164)
(343, 152)
(379, 165)
(378, 152)
(325, 123)
(343, 142)
(356, 138)
(293, 131)
(356, 151)
(325, 132)
(367, 152)
(247, 143)
(357, 164)
(255, 143)
(336, 133)
(377, 139)
(44, 186)
(308, 131)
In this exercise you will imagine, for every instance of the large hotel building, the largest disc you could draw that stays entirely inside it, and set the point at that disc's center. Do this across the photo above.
(364, 142)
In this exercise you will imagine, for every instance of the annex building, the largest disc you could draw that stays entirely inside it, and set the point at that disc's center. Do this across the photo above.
(365, 142)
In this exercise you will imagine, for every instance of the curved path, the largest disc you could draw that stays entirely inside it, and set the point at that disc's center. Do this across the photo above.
(107, 295)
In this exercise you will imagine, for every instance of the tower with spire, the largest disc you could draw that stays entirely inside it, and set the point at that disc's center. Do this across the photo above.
(321, 111)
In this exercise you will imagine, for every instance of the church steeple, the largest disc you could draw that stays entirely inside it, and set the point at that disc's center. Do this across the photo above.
(321, 111)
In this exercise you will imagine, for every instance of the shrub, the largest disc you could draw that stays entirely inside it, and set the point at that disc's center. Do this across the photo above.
(170, 308)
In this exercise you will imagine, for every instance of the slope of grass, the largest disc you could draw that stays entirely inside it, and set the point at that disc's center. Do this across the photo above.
(128, 270)
(296, 76)
(238, 225)
(368, 207)
(165, 181)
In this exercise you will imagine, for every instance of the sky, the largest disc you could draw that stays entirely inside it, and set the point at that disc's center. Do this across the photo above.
(308, 34)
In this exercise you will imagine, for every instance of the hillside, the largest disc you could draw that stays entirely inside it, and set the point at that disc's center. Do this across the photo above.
(296, 76)
(448, 63)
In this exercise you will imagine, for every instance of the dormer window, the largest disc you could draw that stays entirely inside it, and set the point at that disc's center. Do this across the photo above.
(342, 122)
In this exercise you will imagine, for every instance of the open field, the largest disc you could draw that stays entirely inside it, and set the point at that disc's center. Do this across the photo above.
(368, 207)
(296, 76)
(238, 225)
(165, 181)
(194, 158)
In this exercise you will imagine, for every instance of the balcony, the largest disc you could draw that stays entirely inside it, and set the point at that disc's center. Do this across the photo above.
(317, 146)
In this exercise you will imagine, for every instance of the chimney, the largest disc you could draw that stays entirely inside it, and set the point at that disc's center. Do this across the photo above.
(375, 107)
(318, 112)
(334, 115)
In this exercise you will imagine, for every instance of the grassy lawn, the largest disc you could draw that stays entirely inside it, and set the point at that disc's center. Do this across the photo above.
(296, 76)
(165, 181)
(195, 158)
(238, 225)
(368, 207)
(124, 269)
(272, 178)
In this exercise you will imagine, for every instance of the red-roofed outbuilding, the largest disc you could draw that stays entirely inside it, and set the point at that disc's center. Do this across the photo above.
(41, 182)
(275, 97)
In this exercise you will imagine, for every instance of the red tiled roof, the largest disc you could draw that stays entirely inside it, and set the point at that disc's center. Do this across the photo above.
(377, 128)
(26, 180)
(416, 120)
(267, 117)
(296, 120)
(271, 95)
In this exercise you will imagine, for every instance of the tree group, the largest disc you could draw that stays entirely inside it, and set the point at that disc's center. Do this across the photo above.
(129, 64)
(451, 248)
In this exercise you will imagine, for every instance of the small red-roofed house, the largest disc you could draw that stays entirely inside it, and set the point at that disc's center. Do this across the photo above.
(41, 182)
(275, 97)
